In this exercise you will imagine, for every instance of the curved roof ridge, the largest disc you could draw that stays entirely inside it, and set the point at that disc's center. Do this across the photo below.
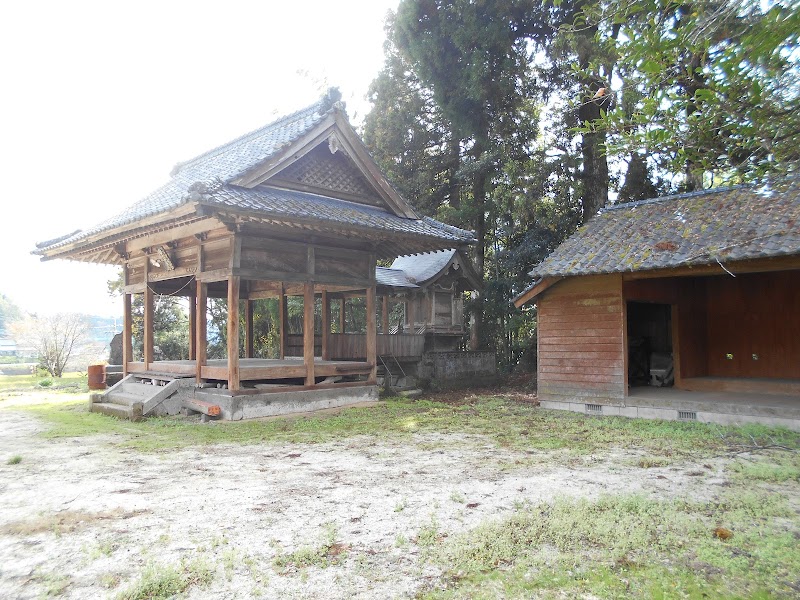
(425, 265)
(254, 134)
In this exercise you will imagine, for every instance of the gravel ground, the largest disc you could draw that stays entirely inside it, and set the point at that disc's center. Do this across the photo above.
(83, 518)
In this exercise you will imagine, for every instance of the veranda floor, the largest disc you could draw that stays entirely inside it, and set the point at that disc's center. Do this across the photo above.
(253, 369)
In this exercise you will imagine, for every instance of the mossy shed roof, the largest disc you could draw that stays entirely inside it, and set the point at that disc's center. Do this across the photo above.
(727, 224)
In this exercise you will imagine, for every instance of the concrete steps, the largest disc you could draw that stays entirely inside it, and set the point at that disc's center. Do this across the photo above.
(121, 411)
(134, 397)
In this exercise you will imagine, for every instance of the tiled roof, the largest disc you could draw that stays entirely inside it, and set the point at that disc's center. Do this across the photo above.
(392, 278)
(270, 202)
(731, 224)
(222, 163)
(421, 267)
(206, 178)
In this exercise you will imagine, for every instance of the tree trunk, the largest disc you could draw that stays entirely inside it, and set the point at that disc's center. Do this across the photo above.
(453, 165)
(595, 162)
(694, 83)
(593, 143)
(479, 197)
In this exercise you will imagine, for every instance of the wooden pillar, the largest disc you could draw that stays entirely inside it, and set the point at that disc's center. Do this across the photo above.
(385, 315)
(308, 331)
(127, 332)
(193, 321)
(248, 329)
(283, 321)
(676, 347)
(148, 317)
(372, 334)
(233, 332)
(326, 325)
(625, 354)
(410, 313)
(426, 309)
(474, 334)
(200, 333)
(342, 319)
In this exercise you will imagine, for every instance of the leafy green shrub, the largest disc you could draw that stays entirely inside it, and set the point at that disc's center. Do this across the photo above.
(47, 382)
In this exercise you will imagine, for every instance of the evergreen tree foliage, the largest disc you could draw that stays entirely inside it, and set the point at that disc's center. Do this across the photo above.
(170, 324)
(520, 119)
(714, 92)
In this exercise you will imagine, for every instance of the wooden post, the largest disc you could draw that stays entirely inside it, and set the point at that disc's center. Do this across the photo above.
(426, 309)
(283, 321)
(342, 319)
(372, 335)
(127, 333)
(192, 321)
(200, 333)
(410, 313)
(148, 317)
(326, 324)
(676, 347)
(474, 333)
(233, 332)
(385, 315)
(248, 329)
(308, 331)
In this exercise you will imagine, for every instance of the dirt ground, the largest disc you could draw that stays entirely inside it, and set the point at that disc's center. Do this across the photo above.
(82, 518)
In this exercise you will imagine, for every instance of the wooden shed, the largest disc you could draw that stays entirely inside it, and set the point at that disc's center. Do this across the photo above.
(296, 208)
(685, 306)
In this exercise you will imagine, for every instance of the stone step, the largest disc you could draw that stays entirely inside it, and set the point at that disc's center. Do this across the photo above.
(132, 413)
(124, 399)
(142, 390)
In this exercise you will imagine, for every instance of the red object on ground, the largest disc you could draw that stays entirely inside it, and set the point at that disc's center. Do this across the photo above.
(97, 377)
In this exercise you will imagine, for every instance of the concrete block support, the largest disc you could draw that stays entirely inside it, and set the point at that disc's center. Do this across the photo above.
(237, 408)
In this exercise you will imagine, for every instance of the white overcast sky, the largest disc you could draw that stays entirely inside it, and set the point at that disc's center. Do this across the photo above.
(99, 100)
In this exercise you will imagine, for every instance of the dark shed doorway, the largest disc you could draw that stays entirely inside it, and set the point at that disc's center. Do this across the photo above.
(650, 358)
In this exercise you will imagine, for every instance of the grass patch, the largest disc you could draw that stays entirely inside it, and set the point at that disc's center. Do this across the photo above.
(322, 555)
(68, 382)
(429, 534)
(510, 424)
(779, 469)
(14, 460)
(109, 580)
(627, 546)
(649, 462)
(159, 582)
(53, 584)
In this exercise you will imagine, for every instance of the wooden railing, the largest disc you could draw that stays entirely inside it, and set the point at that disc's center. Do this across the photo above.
(350, 346)
(353, 346)
(294, 345)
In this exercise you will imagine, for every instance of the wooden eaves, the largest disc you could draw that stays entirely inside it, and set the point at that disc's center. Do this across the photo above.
(536, 289)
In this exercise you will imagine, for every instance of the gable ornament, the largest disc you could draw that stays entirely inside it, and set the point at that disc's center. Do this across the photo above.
(334, 145)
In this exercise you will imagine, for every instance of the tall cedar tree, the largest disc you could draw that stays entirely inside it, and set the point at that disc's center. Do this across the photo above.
(472, 59)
